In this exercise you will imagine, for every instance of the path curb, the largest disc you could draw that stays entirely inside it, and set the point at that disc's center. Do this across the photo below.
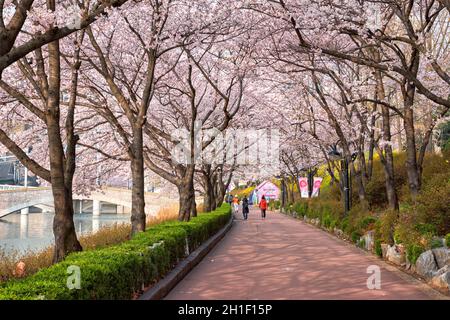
(165, 285)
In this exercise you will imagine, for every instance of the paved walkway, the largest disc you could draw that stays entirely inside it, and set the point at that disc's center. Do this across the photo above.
(283, 258)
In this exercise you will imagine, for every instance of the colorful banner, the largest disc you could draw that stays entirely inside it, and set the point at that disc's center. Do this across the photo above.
(316, 186)
(303, 182)
(268, 190)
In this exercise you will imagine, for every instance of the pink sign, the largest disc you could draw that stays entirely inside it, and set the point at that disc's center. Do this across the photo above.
(303, 182)
(316, 186)
(268, 190)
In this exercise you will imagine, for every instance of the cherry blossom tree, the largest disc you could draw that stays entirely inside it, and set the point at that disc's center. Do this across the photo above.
(27, 25)
(32, 89)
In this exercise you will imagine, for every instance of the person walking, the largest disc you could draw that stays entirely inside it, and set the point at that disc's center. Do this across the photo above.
(245, 209)
(263, 207)
(235, 204)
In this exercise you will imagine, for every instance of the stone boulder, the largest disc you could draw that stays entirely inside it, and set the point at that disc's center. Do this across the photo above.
(442, 257)
(338, 232)
(426, 265)
(441, 278)
(395, 255)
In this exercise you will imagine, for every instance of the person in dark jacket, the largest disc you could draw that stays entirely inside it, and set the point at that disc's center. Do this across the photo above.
(245, 209)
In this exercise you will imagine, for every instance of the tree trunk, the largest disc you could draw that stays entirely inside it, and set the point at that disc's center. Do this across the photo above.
(138, 217)
(209, 201)
(221, 192)
(362, 158)
(408, 122)
(193, 207)
(357, 175)
(387, 159)
(411, 160)
(370, 160)
(63, 227)
(283, 193)
(186, 195)
(388, 165)
(291, 190)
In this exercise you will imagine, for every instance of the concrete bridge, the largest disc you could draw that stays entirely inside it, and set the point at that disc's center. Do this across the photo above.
(13, 199)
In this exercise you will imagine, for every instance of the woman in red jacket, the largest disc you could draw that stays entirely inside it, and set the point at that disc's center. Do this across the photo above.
(263, 207)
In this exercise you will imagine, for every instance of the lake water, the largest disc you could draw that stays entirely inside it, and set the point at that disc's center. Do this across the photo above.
(34, 231)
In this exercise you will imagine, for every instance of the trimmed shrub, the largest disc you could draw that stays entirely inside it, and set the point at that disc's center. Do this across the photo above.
(119, 271)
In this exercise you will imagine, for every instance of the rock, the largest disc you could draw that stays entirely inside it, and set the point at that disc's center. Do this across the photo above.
(400, 248)
(426, 264)
(395, 256)
(442, 257)
(441, 278)
(338, 232)
(441, 271)
(384, 248)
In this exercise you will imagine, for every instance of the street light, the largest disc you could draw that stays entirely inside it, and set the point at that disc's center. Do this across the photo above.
(335, 155)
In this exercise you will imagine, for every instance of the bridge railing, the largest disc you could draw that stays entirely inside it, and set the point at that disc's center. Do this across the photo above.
(13, 187)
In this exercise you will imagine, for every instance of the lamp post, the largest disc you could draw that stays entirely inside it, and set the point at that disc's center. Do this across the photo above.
(334, 154)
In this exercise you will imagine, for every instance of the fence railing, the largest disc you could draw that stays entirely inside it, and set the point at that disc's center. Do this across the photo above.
(13, 187)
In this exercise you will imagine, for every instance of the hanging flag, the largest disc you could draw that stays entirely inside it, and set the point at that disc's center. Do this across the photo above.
(316, 186)
(303, 182)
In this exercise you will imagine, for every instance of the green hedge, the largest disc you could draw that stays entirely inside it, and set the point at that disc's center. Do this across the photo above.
(119, 271)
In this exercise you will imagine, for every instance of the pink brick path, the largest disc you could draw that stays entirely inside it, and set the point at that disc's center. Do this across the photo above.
(283, 258)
